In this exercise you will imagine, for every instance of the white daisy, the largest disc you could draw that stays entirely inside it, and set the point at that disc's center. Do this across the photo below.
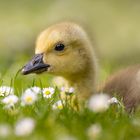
(99, 102)
(58, 105)
(71, 90)
(24, 127)
(35, 90)
(28, 98)
(48, 92)
(113, 100)
(6, 90)
(10, 100)
(94, 131)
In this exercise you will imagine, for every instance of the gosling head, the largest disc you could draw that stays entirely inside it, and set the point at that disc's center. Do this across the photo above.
(62, 49)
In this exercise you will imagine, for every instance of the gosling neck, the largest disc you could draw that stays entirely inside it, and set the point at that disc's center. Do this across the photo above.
(84, 83)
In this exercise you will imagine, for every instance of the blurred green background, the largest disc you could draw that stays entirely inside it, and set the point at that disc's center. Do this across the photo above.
(114, 25)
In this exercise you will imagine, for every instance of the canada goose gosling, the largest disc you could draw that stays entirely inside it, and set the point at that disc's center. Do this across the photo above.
(65, 50)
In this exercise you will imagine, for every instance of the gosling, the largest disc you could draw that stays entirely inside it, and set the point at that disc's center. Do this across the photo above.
(65, 50)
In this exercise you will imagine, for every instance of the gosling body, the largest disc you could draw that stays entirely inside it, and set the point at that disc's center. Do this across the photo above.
(125, 84)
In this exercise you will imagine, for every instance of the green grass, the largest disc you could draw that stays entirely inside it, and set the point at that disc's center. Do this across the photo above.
(116, 124)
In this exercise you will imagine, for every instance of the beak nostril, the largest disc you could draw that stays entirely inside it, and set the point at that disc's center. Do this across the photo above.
(37, 59)
(34, 62)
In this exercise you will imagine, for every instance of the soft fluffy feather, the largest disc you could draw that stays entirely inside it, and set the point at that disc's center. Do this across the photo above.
(126, 84)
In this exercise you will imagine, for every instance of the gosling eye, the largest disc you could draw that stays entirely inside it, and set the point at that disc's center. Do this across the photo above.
(59, 47)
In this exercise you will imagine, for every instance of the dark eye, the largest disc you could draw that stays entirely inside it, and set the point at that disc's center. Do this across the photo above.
(59, 47)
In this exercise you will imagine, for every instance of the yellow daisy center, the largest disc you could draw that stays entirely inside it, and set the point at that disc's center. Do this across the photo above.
(29, 99)
(60, 106)
(47, 92)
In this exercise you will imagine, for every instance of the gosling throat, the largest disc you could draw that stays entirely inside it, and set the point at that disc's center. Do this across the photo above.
(84, 82)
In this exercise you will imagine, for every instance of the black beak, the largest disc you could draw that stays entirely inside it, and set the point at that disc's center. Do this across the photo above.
(36, 65)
